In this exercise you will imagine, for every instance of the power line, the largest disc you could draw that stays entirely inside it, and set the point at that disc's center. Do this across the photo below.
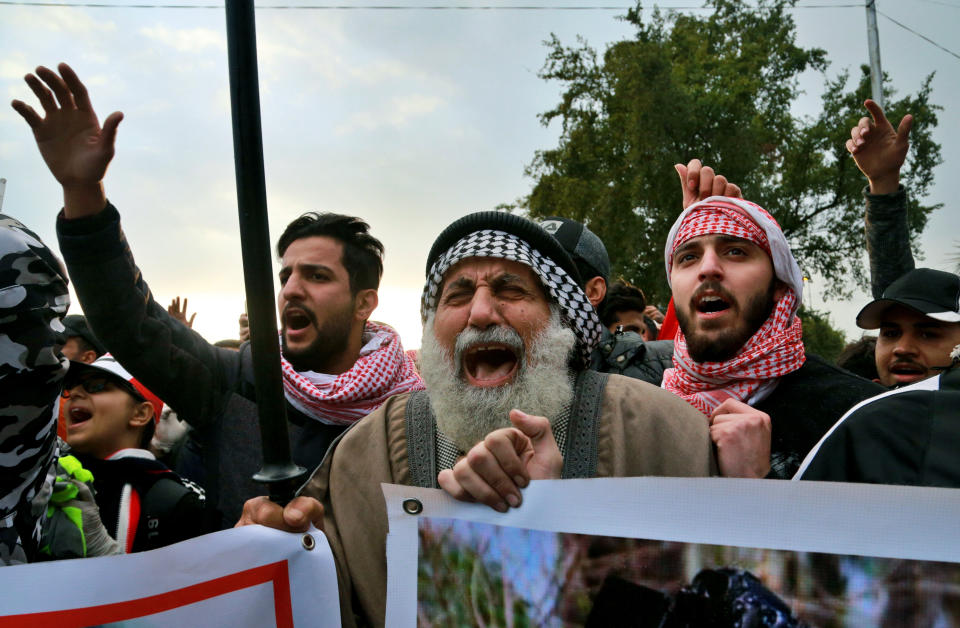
(387, 7)
(923, 37)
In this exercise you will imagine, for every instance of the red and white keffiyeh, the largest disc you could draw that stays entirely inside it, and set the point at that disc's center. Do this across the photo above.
(383, 370)
(773, 351)
(777, 346)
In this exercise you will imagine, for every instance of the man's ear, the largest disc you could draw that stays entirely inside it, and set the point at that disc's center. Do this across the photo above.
(365, 303)
(142, 414)
(596, 290)
(88, 356)
(780, 289)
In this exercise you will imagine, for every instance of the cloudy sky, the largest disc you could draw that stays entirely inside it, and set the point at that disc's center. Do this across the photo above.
(409, 118)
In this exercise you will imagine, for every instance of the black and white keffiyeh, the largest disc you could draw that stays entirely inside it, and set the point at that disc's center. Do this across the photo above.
(576, 310)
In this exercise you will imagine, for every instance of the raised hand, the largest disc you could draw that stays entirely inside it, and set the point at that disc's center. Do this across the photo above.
(494, 470)
(879, 150)
(244, 327)
(179, 313)
(699, 182)
(73, 144)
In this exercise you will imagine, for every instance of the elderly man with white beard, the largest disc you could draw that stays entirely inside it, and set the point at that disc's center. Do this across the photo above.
(507, 332)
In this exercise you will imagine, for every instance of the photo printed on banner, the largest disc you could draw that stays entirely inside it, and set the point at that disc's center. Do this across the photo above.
(473, 573)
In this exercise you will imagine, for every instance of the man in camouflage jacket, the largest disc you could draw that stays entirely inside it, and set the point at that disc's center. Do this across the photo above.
(33, 300)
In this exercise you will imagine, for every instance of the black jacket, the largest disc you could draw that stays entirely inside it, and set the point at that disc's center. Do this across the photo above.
(204, 384)
(888, 239)
(804, 405)
(157, 509)
(908, 436)
(628, 354)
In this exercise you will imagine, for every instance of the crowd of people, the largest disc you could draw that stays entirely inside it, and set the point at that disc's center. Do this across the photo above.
(534, 364)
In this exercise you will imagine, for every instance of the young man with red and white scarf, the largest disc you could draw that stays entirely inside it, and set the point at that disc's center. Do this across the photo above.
(739, 355)
(337, 365)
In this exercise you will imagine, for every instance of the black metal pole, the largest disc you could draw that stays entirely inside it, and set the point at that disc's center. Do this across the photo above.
(280, 474)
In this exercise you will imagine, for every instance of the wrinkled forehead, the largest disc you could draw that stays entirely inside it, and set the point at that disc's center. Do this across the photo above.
(490, 270)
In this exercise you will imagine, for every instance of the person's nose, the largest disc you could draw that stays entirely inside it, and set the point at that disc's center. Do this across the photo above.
(292, 289)
(484, 310)
(710, 267)
(905, 346)
(76, 391)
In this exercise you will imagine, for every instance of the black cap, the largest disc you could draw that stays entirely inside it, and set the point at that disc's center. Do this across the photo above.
(527, 230)
(583, 245)
(933, 293)
(76, 325)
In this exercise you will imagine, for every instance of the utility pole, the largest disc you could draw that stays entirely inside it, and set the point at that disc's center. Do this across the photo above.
(3, 188)
(873, 42)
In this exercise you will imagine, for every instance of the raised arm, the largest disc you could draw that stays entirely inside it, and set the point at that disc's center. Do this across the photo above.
(173, 361)
(879, 151)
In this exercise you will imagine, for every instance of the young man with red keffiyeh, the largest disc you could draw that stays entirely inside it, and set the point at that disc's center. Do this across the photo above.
(739, 355)
(337, 365)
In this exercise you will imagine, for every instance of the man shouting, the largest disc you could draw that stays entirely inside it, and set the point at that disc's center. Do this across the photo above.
(507, 332)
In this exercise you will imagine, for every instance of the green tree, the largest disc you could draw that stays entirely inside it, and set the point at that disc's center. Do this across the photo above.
(819, 336)
(718, 87)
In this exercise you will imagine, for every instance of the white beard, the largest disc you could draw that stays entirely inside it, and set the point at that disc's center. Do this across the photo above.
(543, 385)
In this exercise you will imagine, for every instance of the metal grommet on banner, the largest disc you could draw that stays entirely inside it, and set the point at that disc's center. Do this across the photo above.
(412, 506)
(308, 542)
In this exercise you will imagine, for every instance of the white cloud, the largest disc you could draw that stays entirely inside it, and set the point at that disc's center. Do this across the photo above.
(186, 39)
(385, 69)
(14, 66)
(400, 111)
(40, 21)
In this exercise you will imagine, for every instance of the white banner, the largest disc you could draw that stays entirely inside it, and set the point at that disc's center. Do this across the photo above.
(249, 576)
(523, 562)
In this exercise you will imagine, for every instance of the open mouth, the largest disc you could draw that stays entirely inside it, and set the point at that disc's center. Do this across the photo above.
(489, 364)
(296, 319)
(711, 304)
(79, 415)
(907, 371)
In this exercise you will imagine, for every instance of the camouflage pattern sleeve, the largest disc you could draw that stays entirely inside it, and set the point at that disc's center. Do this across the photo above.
(33, 300)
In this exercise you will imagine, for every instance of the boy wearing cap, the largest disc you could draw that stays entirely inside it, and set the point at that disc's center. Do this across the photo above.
(110, 418)
(918, 316)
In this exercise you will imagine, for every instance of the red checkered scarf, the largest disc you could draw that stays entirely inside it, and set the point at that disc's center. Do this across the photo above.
(773, 351)
(342, 400)
(719, 218)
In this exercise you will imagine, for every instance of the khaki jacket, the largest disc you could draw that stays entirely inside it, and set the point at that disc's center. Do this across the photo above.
(643, 431)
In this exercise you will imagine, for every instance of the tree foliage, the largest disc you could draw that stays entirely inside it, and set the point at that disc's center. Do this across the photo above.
(718, 87)
(819, 336)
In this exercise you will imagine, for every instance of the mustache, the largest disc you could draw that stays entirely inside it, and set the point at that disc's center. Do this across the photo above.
(907, 362)
(300, 306)
(506, 336)
(712, 286)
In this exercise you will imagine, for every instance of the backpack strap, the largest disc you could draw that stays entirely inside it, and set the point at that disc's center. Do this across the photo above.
(421, 446)
(580, 460)
(157, 508)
